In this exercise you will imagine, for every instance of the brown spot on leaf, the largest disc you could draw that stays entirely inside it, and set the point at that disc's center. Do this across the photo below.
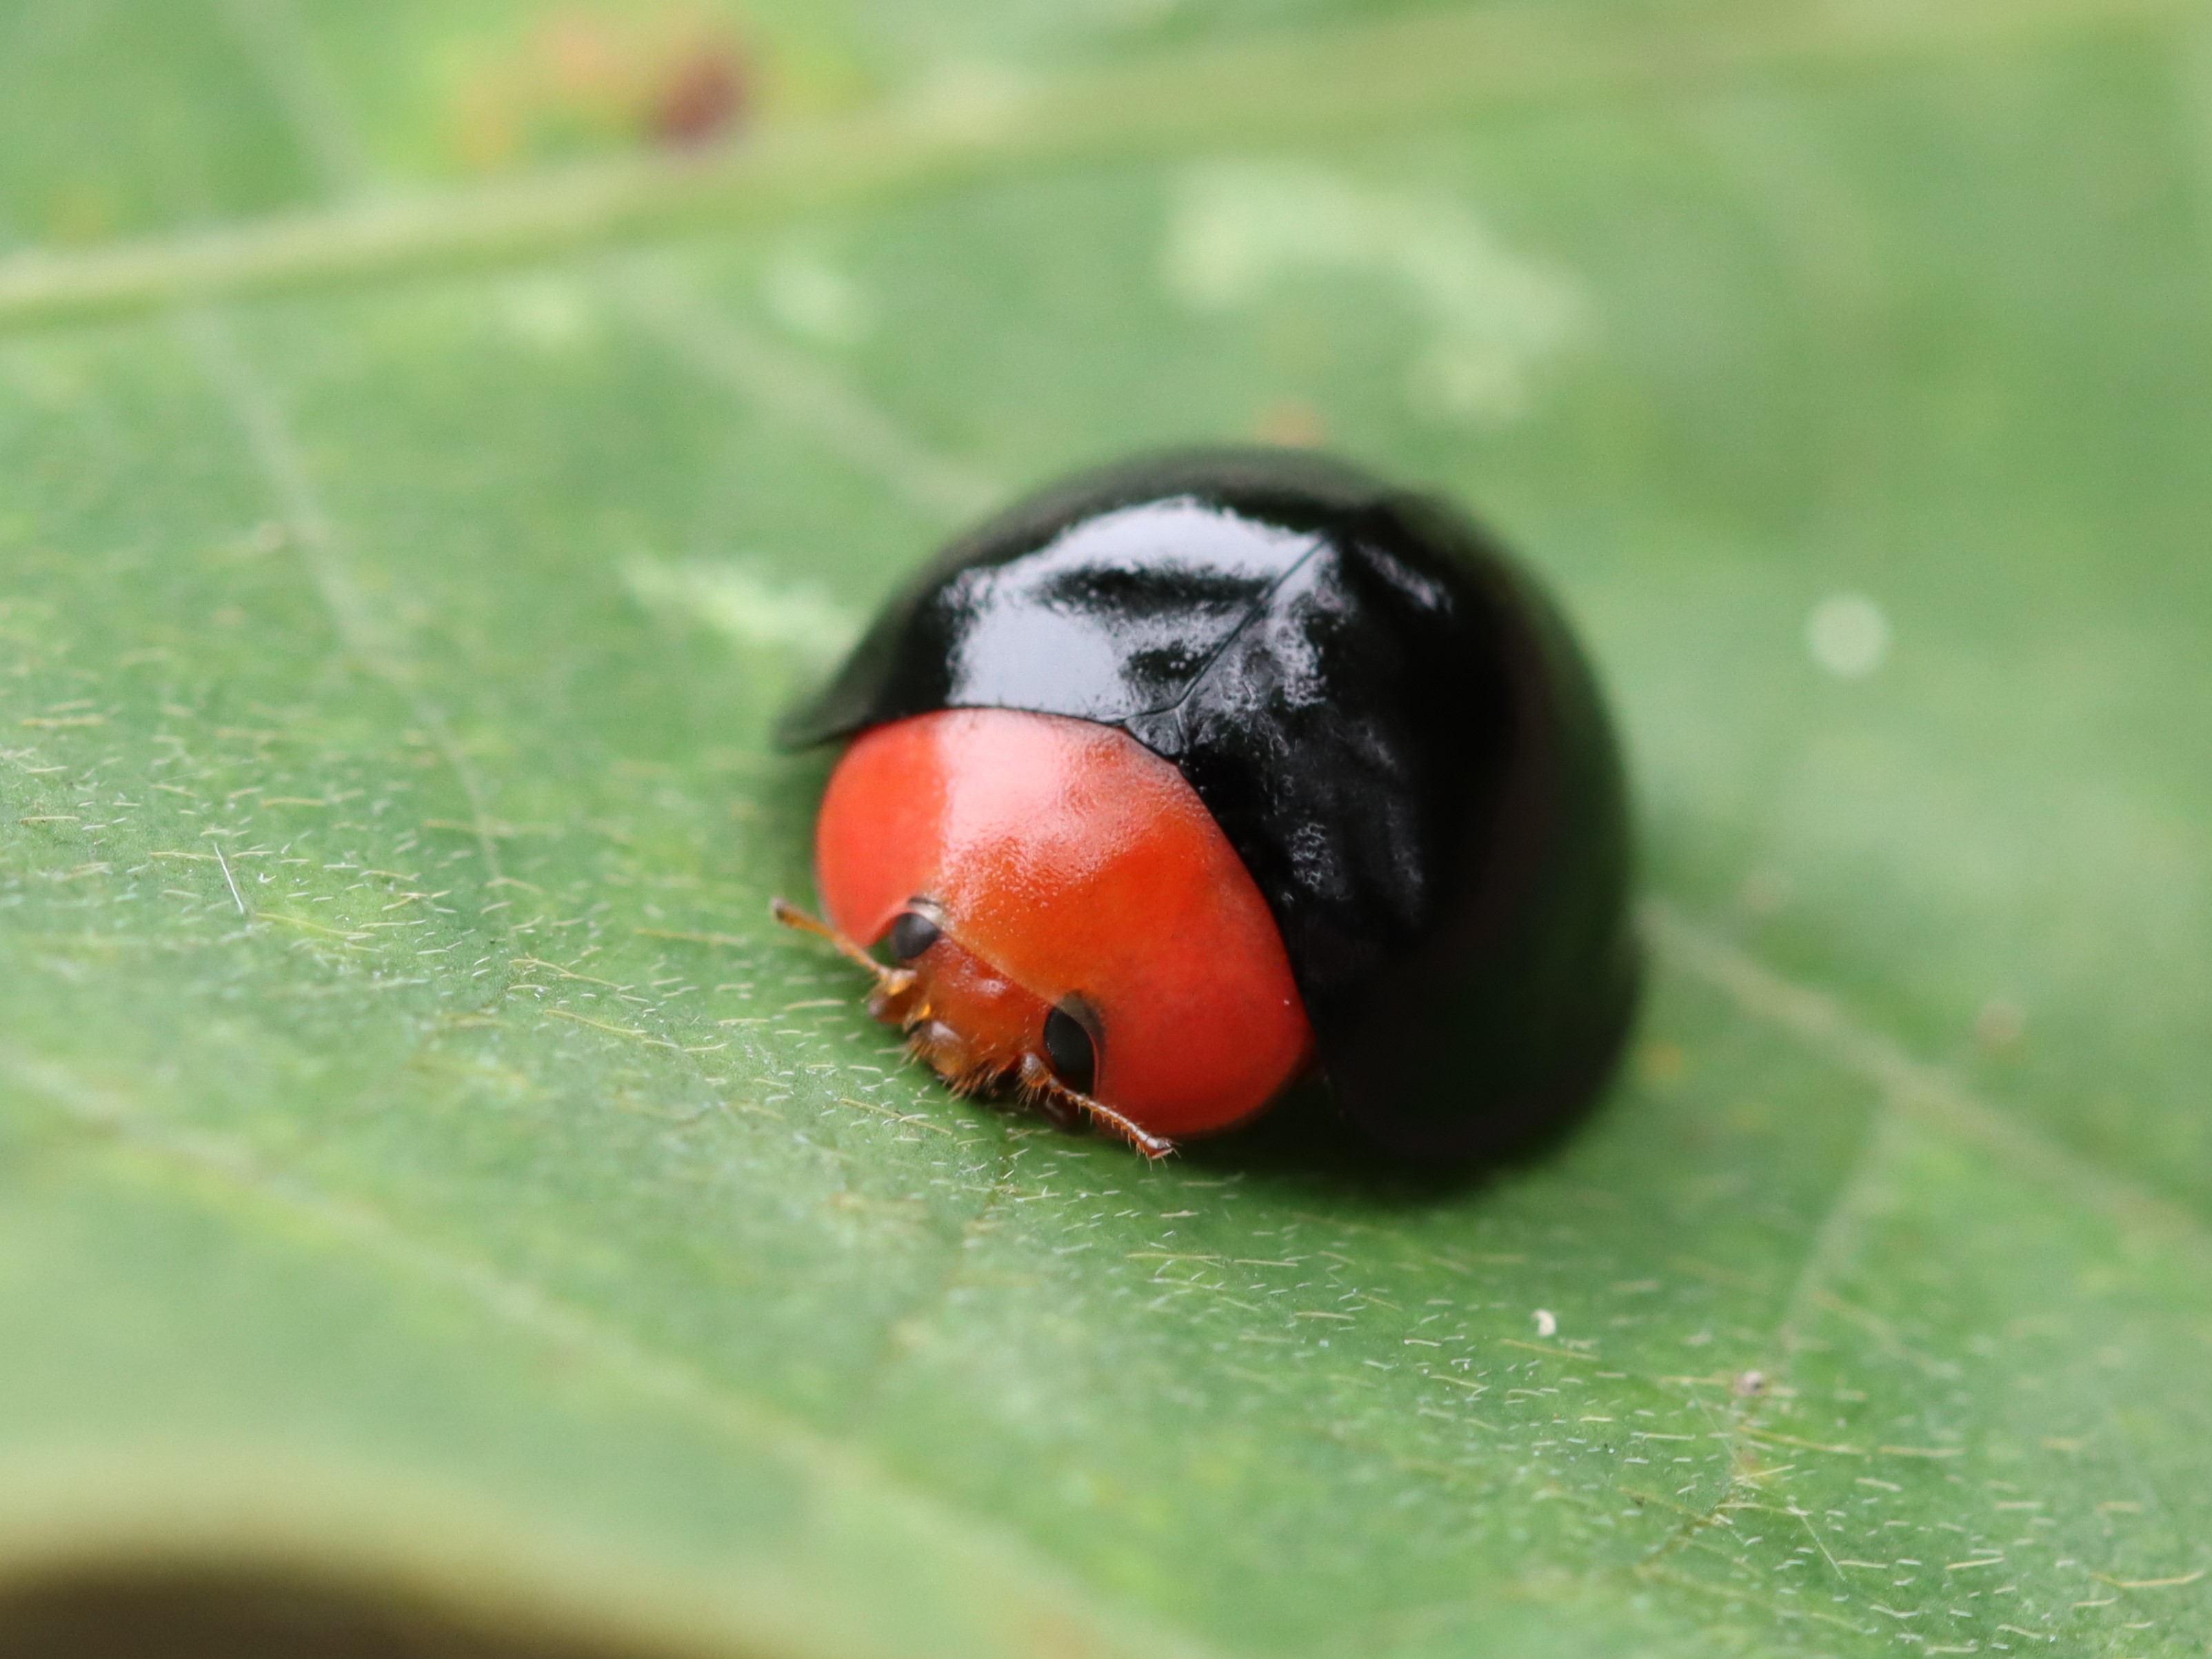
(588, 79)
(702, 97)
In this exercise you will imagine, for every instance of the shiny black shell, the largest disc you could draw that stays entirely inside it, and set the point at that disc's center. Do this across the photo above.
(1388, 720)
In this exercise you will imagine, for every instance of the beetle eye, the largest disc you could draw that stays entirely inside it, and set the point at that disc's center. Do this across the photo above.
(912, 934)
(1068, 1045)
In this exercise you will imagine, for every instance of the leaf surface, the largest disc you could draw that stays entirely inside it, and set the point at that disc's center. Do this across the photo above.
(423, 1167)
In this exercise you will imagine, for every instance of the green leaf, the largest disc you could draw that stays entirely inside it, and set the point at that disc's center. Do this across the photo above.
(426, 1175)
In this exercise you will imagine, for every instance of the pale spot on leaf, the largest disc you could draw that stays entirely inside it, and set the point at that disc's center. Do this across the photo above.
(745, 603)
(1848, 634)
(1237, 230)
(810, 297)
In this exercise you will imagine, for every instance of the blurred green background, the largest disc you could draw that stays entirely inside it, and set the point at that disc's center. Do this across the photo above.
(435, 1204)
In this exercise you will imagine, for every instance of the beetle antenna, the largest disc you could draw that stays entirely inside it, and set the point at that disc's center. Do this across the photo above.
(796, 918)
(1041, 1081)
(1154, 1147)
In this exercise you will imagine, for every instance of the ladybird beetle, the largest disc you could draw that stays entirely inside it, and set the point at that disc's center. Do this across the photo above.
(1183, 778)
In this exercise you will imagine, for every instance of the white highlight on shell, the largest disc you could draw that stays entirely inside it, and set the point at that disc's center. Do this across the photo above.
(1848, 636)
(1236, 229)
(746, 603)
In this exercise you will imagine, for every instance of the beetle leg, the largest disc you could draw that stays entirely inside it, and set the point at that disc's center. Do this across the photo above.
(941, 1048)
